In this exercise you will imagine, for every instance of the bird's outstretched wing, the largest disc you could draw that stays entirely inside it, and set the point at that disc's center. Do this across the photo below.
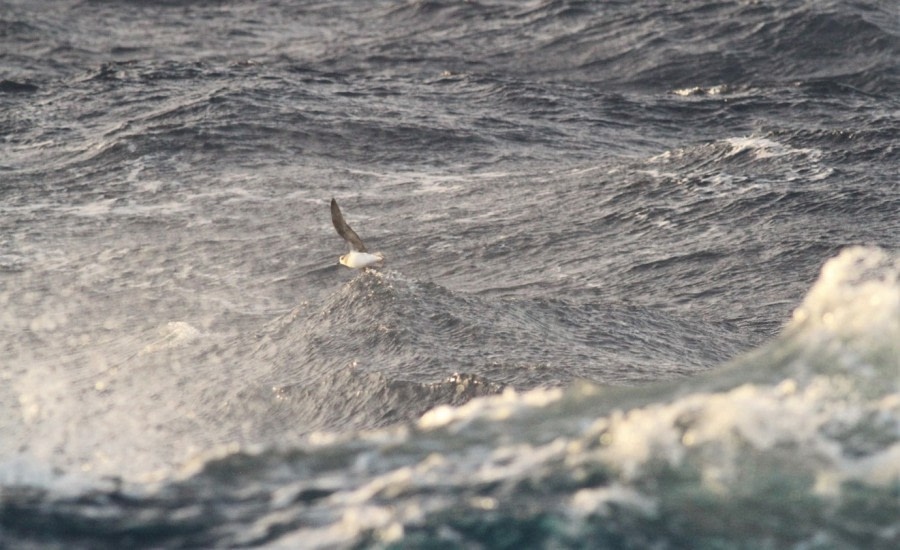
(344, 230)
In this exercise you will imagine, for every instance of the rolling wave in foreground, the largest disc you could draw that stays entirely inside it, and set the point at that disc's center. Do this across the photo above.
(796, 443)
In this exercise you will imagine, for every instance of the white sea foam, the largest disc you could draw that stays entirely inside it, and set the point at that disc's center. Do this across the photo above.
(763, 148)
(172, 335)
(701, 91)
(857, 301)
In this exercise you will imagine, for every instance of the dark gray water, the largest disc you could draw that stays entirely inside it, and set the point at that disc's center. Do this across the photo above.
(604, 226)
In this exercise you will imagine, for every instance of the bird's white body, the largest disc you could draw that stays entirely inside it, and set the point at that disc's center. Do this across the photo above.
(358, 257)
(361, 260)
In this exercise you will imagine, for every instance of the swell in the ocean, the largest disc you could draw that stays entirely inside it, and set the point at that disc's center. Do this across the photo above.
(587, 209)
(806, 428)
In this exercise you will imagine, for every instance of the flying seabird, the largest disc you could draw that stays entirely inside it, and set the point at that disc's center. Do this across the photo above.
(358, 257)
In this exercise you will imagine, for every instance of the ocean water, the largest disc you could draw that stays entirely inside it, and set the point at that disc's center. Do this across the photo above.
(642, 286)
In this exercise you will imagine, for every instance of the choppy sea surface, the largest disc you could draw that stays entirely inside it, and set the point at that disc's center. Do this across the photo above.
(642, 286)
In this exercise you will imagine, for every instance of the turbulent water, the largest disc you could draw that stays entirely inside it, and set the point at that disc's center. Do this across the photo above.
(642, 285)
